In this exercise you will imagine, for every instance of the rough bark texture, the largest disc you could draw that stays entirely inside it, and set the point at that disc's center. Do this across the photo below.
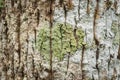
(20, 21)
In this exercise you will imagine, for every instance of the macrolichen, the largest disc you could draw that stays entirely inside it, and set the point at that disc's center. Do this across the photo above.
(63, 40)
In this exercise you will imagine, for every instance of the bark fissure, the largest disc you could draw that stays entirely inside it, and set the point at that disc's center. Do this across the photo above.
(50, 43)
(82, 58)
(96, 13)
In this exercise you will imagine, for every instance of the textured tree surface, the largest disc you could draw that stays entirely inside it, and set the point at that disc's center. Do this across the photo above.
(63, 40)
(59, 39)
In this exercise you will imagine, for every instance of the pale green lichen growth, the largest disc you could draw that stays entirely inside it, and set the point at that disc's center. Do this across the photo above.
(1, 3)
(114, 29)
(63, 40)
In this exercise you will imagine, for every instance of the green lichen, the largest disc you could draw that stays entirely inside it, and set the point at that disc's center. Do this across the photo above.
(63, 40)
(114, 29)
(1, 3)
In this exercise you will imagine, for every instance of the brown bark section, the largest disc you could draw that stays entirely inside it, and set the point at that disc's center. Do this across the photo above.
(118, 56)
(115, 5)
(5, 57)
(61, 2)
(74, 32)
(79, 9)
(37, 14)
(82, 58)
(18, 37)
(94, 28)
(96, 13)
(65, 13)
(88, 7)
(70, 4)
(94, 22)
(68, 61)
(108, 4)
(12, 3)
(13, 52)
(50, 43)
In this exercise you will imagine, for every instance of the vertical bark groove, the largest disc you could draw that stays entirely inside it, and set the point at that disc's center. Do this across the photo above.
(88, 7)
(82, 58)
(96, 13)
(50, 43)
